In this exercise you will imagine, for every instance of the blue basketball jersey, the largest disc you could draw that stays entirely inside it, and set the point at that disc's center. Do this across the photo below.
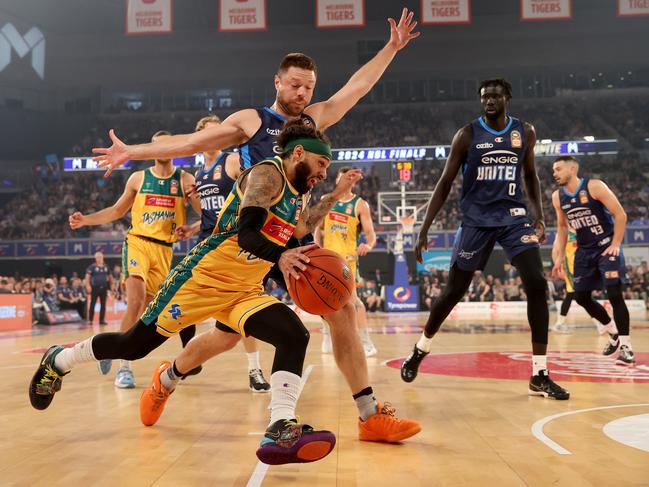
(213, 185)
(262, 144)
(491, 176)
(590, 219)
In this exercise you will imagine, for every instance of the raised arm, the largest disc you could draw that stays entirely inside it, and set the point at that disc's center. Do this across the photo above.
(312, 217)
(365, 216)
(601, 192)
(459, 150)
(112, 213)
(235, 129)
(561, 239)
(329, 112)
(532, 185)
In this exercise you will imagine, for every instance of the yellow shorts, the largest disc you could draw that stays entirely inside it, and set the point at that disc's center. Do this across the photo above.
(188, 297)
(149, 260)
(568, 272)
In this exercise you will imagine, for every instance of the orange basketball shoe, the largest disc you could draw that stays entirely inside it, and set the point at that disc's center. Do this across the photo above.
(385, 426)
(154, 397)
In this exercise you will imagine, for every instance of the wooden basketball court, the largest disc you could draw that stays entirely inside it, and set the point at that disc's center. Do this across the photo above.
(479, 426)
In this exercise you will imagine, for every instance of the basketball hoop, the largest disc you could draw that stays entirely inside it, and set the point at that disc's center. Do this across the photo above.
(407, 224)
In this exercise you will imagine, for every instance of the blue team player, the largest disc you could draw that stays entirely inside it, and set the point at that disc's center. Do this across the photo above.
(592, 210)
(214, 181)
(496, 155)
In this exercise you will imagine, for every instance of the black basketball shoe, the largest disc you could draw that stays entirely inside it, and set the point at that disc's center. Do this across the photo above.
(46, 381)
(626, 356)
(610, 348)
(257, 381)
(542, 385)
(410, 366)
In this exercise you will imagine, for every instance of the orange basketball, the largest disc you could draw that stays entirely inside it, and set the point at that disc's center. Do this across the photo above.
(325, 286)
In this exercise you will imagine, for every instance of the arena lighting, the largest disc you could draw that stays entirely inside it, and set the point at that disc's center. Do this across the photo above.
(589, 138)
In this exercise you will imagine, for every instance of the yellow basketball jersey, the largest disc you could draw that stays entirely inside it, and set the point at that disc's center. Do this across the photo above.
(342, 227)
(159, 207)
(225, 261)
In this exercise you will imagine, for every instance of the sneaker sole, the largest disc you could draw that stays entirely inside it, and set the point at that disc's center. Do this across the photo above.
(530, 392)
(393, 438)
(125, 386)
(310, 451)
(259, 391)
(626, 364)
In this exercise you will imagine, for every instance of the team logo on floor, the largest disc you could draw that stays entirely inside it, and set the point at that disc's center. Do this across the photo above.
(564, 366)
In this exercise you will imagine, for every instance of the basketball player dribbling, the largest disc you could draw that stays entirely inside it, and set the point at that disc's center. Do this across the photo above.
(490, 150)
(253, 131)
(222, 278)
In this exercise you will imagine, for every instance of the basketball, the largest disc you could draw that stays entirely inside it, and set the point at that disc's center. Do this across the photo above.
(325, 286)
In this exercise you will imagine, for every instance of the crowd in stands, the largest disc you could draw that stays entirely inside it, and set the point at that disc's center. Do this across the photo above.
(56, 293)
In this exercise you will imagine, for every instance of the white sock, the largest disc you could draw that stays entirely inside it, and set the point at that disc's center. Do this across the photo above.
(253, 360)
(125, 363)
(285, 389)
(561, 319)
(625, 340)
(539, 363)
(325, 329)
(169, 379)
(611, 328)
(69, 357)
(424, 343)
(611, 340)
(365, 335)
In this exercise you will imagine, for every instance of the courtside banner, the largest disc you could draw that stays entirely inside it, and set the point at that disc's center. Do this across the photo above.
(631, 8)
(340, 13)
(445, 12)
(242, 15)
(148, 17)
(546, 9)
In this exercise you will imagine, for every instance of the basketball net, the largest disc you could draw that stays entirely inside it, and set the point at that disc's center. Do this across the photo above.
(406, 226)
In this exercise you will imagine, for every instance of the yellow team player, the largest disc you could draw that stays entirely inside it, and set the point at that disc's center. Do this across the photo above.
(222, 278)
(568, 270)
(340, 231)
(156, 197)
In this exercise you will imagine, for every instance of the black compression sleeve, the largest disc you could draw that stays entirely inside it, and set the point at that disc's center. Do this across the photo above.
(251, 219)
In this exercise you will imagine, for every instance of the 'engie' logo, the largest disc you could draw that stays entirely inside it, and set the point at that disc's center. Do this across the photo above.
(33, 41)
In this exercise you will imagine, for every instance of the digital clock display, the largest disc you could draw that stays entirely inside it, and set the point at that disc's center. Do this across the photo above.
(403, 172)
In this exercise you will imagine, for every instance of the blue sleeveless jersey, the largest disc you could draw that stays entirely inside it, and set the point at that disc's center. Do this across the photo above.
(262, 144)
(213, 185)
(491, 184)
(589, 218)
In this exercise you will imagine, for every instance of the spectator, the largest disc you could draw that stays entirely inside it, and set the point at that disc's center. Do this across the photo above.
(49, 295)
(98, 281)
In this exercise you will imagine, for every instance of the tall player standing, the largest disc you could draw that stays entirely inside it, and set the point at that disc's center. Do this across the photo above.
(214, 181)
(340, 232)
(491, 150)
(254, 131)
(594, 212)
(156, 197)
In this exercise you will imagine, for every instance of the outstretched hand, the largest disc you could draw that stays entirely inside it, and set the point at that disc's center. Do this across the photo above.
(401, 34)
(114, 156)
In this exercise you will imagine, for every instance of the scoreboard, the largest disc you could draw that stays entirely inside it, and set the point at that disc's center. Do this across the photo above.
(403, 172)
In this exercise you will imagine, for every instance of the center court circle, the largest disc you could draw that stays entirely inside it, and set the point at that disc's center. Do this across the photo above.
(569, 366)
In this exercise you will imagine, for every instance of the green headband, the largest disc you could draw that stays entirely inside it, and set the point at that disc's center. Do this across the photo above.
(311, 145)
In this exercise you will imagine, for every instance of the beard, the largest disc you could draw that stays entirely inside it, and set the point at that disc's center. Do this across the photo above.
(289, 107)
(495, 115)
(302, 176)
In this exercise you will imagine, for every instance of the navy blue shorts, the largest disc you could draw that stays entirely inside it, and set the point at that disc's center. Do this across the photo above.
(592, 269)
(473, 245)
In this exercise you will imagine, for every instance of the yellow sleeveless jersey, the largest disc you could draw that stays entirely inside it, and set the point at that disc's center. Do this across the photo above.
(159, 207)
(230, 264)
(342, 227)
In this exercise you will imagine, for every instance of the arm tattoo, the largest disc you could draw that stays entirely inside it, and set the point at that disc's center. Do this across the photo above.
(261, 186)
(316, 213)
